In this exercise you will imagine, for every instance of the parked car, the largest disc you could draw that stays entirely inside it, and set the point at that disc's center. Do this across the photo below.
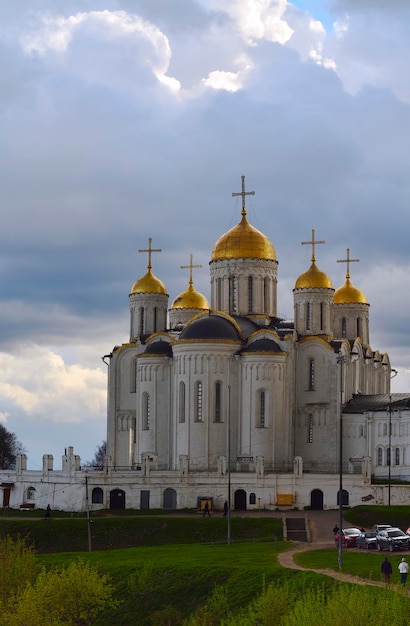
(349, 536)
(367, 540)
(392, 539)
(377, 527)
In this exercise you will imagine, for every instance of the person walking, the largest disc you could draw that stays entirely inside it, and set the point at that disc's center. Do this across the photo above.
(336, 530)
(225, 508)
(206, 509)
(404, 570)
(386, 570)
(48, 512)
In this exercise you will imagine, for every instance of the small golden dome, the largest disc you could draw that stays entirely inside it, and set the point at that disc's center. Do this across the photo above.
(313, 278)
(349, 294)
(190, 299)
(243, 242)
(149, 284)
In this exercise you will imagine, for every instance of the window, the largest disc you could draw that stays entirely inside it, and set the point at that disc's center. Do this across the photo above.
(384, 429)
(218, 402)
(311, 381)
(97, 495)
(266, 296)
(218, 293)
(252, 498)
(397, 456)
(358, 327)
(361, 431)
(308, 316)
(344, 327)
(310, 428)
(321, 316)
(31, 493)
(141, 321)
(262, 409)
(145, 411)
(198, 403)
(250, 294)
(233, 294)
(388, 456)
(155, 319)
(379, 456)
(181, 416)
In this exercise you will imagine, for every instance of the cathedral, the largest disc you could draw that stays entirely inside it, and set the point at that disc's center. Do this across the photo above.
(224, 400)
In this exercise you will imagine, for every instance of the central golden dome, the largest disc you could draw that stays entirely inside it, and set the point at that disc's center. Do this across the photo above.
(149, 284)
(243, 241)
(313, 278)
(349, 294)
(190, 299)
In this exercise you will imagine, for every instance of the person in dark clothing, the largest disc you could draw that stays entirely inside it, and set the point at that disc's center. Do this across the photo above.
(48, 511)
(225, 508)
(336, 530)
(386, 570)
(206, 509)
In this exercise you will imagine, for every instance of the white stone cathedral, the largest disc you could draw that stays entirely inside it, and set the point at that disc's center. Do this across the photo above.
(229, 402)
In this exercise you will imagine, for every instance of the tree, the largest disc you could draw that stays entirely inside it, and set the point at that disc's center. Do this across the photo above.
(99, 457)
(10, 447)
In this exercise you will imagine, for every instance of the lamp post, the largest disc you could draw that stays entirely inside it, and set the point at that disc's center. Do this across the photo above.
(340, 361)
(229, 466)
(389, 452)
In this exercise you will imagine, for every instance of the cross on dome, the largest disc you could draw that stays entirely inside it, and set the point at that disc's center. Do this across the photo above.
(150, 250)
(243, 193)
(348, 260)
(190, 267)
(313, 242)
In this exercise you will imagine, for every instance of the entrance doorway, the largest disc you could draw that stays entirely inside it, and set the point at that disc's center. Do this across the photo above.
(316, 500)
(117, 499)
(240, 500)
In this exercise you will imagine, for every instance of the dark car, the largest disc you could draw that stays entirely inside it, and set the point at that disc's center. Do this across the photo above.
(392, 539)
(349, 536)
(367, 540)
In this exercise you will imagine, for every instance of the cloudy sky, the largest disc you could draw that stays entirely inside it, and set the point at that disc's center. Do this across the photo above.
(122, 120)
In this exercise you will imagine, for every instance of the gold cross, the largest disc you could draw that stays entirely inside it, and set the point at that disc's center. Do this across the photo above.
(243, 193)
(150, 250)
(190, 267)
(348, 260)
(312, 243)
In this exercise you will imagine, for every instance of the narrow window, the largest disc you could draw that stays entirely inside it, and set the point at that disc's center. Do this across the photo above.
(262, 409)
(155, 319)
(198, 404)
(308, 316)
(250, 294)
(181, 402)
(266, 296)
(310, 428)
(344, 328)
(218, 294)
(384, 429)
(145, 411)
(97, 495)
(218, 402)
(252, 498)
(388, 456)
(133, 373)
(31, 493)
(321, 316)
(361, 431)
(397, 456)
(233, 294)
(311, 382)
(141, 321)
(358, 327)
(379, 456)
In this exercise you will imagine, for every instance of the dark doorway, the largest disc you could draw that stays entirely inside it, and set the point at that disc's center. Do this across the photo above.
(345, 498)
(6, 493)
(144, 499)
(316, 500)
(117, 499)
(240, 500)
(170, 499)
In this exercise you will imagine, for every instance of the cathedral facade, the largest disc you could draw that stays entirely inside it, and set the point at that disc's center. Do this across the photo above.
(225, 400)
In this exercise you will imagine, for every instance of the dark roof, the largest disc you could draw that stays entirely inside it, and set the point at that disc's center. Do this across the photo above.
(262, 345)
(210, 327)
(378, 402)
(162, 348)
(246, 325)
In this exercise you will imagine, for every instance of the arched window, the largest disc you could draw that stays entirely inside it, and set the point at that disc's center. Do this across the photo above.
(310, 428)
(344, 327)
(218, 293)
(308, 316)
(181, 414)
(262, 410)
(145, 411)
(388, 457)
(384, 429)
(358, 327)
(155, 319)
(397, 456)
(252, 498)
(233, 286)
(141, 322)
(133, 373)
(198, 402)
(321, 316)
(217, 417)
(266, 296)
(379, 456)
(97, 495)
(311, 381)
(31, 493)
(250, 294)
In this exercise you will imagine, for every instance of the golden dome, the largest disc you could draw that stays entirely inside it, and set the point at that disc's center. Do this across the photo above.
(190, 299)
(149, 284)
(313, 278)
(349, 294)
(243, 242)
